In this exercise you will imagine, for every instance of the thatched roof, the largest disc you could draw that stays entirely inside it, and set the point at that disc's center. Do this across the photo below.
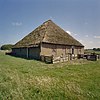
(48, 32)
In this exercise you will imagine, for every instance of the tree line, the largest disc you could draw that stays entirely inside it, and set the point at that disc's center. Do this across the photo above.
(96, 49)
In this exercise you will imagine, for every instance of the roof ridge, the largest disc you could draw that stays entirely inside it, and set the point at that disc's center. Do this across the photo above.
(49, 20)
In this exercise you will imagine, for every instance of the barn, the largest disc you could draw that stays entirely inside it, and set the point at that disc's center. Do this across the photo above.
(48, 41)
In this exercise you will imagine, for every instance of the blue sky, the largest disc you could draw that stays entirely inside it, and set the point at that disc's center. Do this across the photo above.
(81, 18)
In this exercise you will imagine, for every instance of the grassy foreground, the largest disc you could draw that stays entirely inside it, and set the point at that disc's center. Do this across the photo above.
(22, 79)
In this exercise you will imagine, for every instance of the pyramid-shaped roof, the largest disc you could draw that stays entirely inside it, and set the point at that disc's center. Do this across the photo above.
(48, 32)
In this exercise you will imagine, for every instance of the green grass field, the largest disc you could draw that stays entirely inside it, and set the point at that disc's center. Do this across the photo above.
(22, 79)
(91, 51)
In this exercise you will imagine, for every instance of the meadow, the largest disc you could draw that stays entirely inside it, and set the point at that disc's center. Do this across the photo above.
(89, 51)
(22, 79)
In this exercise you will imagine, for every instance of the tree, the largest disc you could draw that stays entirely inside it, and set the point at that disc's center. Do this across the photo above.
(6, 47)
(96, 49)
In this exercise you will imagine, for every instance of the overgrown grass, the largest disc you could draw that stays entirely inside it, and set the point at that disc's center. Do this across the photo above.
(22, 79)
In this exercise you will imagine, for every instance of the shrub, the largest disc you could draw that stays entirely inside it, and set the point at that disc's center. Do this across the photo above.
(6, 47)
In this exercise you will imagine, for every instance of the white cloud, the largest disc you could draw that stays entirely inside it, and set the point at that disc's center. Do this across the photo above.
(75, 34)
(89, 44)
(97, 37)
(99, 42)
(16, 23)
(68, 32)
(90, 41)
(71, 33)
(80, 40)
(86, 36)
